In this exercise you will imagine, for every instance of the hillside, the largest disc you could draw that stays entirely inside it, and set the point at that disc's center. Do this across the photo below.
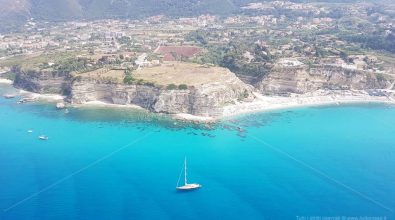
(72, 9)
(14, 13)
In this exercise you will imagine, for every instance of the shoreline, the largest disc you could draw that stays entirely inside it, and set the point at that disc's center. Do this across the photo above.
(5, 81)
(319, 98)
(105, 104)
(37, 96)
(261, 103)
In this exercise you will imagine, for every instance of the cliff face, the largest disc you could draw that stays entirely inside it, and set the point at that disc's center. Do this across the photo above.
(42, 81)
(206, 100)
(284, 80)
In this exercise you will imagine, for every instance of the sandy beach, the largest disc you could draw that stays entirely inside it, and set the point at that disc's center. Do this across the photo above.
(267, 103)
(5, 81)
(46, 97)
(194, 118)
(105, 104)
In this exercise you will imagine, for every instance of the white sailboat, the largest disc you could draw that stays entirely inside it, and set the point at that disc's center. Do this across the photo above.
(187, 186)
(43, 137)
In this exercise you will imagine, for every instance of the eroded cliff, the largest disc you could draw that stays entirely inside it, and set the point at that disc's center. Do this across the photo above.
(203, 100)
(206, 96)
(284, 80)
(206, 100)
(42, 81)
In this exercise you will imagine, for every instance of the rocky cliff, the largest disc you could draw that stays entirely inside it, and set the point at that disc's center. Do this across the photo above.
(284, 80)
(207, 100)
(42, 81)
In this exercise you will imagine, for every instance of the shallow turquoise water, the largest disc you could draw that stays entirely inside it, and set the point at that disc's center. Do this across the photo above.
(113, 164)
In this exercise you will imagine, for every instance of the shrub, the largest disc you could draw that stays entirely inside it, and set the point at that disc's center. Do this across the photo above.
(183, 87)
(171, 87)
(246, 93)
(128, 79)
(149, 84)
(140, 82)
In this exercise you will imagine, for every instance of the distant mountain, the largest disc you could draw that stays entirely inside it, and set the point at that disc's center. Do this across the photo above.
(71, 9)
(55, 10)
(15, 12)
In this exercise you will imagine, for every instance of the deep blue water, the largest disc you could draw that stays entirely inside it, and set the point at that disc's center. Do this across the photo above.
(117, 164)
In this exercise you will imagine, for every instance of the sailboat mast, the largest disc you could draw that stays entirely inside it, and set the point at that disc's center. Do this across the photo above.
(185, 177)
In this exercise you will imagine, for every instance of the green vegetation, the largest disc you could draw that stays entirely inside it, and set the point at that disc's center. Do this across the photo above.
(234, 57)
(171, 87)
(183, 87)
(36, 61)
(73, 65)
(9, 76)
(61, 10)
(373, 41)
(128, 79)
(198, 36)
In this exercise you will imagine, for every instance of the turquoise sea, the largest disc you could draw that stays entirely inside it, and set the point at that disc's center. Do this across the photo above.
(307, 163)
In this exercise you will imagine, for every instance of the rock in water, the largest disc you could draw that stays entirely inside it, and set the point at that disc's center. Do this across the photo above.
(60, 105)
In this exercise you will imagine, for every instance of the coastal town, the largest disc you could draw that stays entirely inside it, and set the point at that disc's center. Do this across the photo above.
(257, 46)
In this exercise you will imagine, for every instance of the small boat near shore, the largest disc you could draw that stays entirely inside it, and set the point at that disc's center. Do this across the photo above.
(9, 96)
(187, 186)
(24, 100)
(43, 137)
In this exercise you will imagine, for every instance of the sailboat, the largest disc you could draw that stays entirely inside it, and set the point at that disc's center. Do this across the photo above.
(187, 186)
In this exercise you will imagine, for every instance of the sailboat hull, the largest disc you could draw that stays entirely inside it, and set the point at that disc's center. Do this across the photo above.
(189, 187)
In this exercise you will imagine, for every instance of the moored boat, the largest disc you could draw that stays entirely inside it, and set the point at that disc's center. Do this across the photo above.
(9, 96)
(43, 137)
(187, 186)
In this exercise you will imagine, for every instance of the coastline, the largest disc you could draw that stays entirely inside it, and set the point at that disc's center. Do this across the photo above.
(318, 98)
(60, 98)
(261, 103)
(46, 97)
(105, 104)
(5, 81)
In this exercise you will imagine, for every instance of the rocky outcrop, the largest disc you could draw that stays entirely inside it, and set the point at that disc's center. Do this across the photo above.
(302, 79)
(42, 81)
(207, 100)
